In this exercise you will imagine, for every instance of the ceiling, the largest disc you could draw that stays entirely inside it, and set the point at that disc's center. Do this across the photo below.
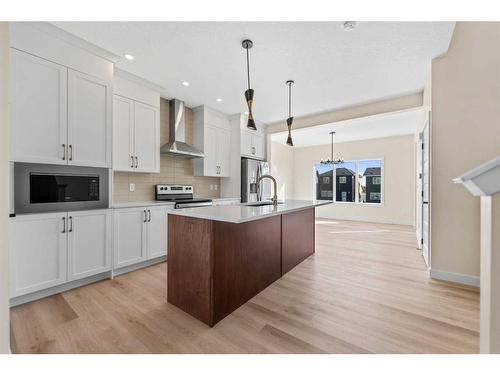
(332, 68)
(377, 126)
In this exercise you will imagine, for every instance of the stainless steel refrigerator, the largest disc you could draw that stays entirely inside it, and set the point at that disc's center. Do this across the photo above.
(251, 170)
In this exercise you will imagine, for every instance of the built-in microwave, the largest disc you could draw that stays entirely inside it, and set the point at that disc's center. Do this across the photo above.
(50, 188)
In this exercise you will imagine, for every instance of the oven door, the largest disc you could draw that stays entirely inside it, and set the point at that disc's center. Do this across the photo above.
(49, 188)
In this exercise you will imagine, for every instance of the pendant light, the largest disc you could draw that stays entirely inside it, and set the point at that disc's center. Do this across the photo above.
(247, 44)
(332, 160)
(289, 120)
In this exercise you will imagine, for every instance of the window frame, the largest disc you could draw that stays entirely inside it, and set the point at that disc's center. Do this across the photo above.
(356, 182)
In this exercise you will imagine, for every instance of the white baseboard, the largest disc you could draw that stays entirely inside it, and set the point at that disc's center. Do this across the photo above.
(455, 277)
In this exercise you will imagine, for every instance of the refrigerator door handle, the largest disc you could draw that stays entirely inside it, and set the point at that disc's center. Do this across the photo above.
(259, 190)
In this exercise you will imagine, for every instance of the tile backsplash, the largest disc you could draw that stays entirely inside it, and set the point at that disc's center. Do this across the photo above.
(172, 170)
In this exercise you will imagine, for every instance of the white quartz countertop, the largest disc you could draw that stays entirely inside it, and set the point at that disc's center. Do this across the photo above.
(141, 204)
(241, 213)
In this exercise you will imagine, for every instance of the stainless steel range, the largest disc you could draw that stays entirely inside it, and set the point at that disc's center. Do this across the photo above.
(182, 195)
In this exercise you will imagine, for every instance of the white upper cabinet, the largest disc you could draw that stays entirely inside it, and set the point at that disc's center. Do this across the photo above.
(59, 116)
(253, 144)
(147, 138)
(224, 152)
(212, 134)
(89, 243)
(38, 252)
(38, 109)
(123, 133)
(89, 120)
(136, 125)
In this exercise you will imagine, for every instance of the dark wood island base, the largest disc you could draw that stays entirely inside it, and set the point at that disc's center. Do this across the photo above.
(214, 267)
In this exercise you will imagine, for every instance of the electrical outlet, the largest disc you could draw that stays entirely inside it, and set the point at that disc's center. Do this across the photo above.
(131, 187)
(211, 187)
(216, 187)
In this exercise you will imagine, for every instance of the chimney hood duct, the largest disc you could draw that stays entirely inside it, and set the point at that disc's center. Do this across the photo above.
(177, 145)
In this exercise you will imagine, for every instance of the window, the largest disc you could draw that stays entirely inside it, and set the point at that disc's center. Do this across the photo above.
(357, 181)
(346, 182)
(370, 180)
(323, 176)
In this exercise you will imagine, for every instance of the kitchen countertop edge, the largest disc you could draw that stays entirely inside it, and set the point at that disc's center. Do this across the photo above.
(248, 213)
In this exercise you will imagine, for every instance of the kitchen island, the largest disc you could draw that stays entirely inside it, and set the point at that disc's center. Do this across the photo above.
(222, 256)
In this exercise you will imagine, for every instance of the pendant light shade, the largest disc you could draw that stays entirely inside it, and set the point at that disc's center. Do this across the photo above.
(289, 120)
(247, 44)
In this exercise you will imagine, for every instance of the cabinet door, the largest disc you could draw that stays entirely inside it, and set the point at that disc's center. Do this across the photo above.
(258, 143)
(89, 120)
(129, 236)
(224, 152)
(246, 142)
(147, 138)
(157, 232)
(89, 243)
(123, 133)
(210, 161)
(38, 248)
(38, 109)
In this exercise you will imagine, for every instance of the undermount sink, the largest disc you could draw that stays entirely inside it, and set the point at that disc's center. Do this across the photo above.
(260, 204)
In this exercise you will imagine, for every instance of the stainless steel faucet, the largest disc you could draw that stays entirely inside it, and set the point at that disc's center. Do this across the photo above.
(274, 199)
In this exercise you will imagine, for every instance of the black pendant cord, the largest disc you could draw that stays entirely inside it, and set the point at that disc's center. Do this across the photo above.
(332, 144)
(248, 69)
(289, 120)
(289, 100)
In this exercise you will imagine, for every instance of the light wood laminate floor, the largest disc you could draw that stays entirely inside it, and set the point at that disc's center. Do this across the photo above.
(364, 291)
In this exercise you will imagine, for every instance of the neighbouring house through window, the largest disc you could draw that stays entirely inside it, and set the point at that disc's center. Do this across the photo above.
(357, 181)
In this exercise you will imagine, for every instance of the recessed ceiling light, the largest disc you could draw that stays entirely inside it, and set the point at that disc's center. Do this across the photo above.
(349, 25)
(128, 56)
(185, 83)
(218, 100)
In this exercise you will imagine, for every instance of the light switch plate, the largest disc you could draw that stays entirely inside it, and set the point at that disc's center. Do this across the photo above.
(131, 187)
(216, 187)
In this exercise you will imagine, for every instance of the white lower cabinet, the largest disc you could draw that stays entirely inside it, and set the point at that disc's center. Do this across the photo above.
(89, 243)
(38, 252)
(139, 234)
(157, 232)
(129, 236)
(51, 249)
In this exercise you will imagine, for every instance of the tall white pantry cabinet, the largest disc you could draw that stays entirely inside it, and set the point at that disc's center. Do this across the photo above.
(61, 93)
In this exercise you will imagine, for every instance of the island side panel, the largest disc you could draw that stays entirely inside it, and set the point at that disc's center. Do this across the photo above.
(247, 259)
(190, 266)
(297, 238)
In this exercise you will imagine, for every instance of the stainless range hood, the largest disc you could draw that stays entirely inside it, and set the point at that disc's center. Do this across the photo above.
(177, 145)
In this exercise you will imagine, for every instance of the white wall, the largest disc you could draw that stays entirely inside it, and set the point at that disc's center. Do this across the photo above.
(399, 178)
(465, 133)
(4, 184)
(281, 162)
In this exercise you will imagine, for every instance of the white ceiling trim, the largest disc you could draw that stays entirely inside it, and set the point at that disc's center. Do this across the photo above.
(397, 123)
